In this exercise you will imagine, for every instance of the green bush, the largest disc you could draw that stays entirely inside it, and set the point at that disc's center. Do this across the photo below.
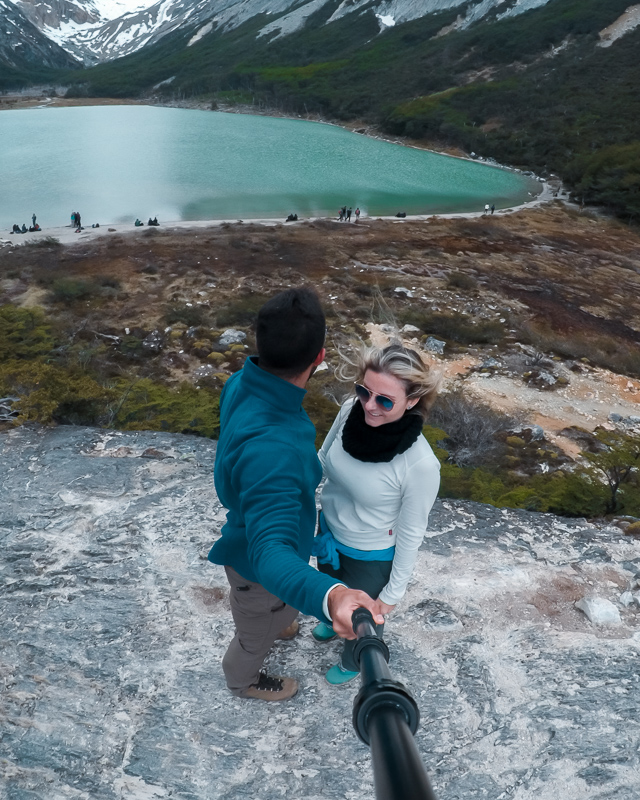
(69, 290)
(188, 315)
(456, 327)
(242, 312)
(49, 393)
(322, 412)
(145, 405)
(460, 280)
(24, 333)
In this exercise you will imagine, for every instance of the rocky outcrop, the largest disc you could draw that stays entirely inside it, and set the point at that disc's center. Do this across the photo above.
(113, 624)
(23, 45)
(55, 13)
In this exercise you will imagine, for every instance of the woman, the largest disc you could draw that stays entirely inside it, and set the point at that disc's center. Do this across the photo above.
(381, 481)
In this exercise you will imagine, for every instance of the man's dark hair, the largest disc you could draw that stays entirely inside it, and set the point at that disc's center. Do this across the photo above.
(290, 332)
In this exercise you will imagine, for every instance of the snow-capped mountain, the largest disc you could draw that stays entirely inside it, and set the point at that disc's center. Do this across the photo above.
(101, 30)
(23, 44)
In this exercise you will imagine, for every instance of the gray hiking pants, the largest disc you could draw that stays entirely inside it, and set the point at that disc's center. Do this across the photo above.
(259, 617)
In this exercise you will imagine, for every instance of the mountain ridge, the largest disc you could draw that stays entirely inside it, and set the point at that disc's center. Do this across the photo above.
(95, 33)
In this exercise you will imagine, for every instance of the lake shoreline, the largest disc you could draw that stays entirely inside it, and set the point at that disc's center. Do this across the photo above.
(66, 234)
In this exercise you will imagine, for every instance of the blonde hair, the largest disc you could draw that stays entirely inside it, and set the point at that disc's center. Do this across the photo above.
(403, 363)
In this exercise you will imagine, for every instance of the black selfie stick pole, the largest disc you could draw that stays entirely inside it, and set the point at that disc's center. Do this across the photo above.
(385, 717)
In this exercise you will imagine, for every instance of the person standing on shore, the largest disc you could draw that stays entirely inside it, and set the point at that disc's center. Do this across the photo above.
(349, 214)
(33, 219)
(266, 473)
(357, 213)
(486, 209)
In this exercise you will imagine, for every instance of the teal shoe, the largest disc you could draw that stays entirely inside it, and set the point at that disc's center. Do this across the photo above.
(323, 633)
(337, 675)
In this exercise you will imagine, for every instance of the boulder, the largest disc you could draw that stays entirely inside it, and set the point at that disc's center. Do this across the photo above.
(232, 336)
(599, 610)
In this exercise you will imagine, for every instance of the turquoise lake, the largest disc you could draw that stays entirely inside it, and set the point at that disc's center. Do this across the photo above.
(116, 163)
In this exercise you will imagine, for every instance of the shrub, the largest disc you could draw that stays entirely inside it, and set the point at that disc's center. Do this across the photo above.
(47, 242)
(460, 280)
(24, 333)
(188, 315)
(471, 429)
(322, 412)
(69, 290)
(49, 393)
(243, 312)
(633, 529)
(145, 405)
(603, 350)
(456, 327)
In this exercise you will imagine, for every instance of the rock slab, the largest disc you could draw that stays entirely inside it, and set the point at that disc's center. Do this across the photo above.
(113, 624)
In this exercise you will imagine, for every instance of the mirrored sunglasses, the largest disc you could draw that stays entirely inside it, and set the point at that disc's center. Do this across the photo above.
(364, 394)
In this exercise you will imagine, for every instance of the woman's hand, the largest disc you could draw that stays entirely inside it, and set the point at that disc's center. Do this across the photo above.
(383, 608)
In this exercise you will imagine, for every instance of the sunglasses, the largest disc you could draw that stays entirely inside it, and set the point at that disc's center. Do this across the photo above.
(364, 394)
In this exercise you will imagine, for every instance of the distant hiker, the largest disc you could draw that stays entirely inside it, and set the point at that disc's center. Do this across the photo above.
(138, 223)
(349, 214)
(486, 209)
(340, 215)
(344, 212)
(78, 220)
(73, 220)
(24, 228)
(357, 212)
(493, 208)
(33, 219)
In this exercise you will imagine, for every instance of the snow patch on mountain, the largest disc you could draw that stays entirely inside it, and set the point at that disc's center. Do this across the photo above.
(204, 30)
(386, 21)
(101, 30)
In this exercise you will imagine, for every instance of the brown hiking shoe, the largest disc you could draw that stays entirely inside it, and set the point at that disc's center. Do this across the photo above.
(291, 632)
(271, 687)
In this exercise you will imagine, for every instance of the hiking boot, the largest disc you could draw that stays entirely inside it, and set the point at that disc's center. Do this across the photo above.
(323, 632)
(338, 675)
(289, 633)
(271, 687)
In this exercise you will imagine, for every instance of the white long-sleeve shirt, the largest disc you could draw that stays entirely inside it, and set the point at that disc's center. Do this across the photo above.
(373, 506)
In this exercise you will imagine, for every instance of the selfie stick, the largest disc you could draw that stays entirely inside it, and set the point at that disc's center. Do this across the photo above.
(385, 717)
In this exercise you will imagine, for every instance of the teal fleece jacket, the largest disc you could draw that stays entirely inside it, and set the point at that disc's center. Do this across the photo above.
(266, 473)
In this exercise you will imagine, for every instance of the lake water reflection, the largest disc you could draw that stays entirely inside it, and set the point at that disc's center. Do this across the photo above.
(116, 163)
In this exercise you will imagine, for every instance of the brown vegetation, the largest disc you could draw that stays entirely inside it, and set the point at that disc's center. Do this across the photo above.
(531, 305)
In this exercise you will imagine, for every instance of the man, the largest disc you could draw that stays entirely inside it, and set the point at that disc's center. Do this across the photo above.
(266, 474)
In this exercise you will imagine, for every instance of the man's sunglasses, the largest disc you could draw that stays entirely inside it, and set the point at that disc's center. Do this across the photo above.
(364, 394)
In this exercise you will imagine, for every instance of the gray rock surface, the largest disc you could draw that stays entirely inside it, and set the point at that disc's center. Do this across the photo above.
(112, 626)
